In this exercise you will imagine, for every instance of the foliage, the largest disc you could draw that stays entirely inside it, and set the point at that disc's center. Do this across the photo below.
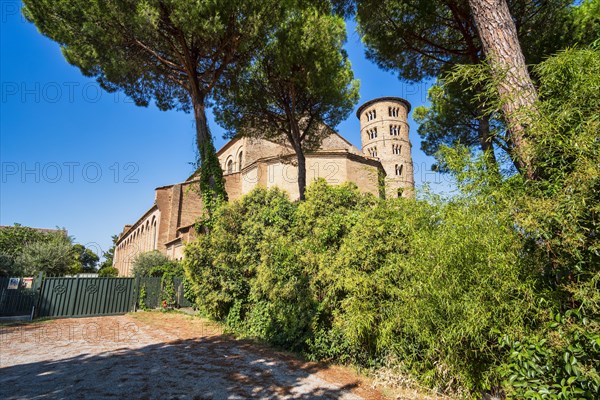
(584, 24)
(422, 39)
(168, 289)
(108, 272)
(144, 263)
(174, 52)
(300, 81)
(85, 260)
(493, 289)
(13, 241)
(143, 297)
(53, 257)
(560, 363)
(14, 238)
(562, 209)
(219, 264)
(558, 215)
(25, 250)
(449, 120)
(172, 267)
(339, 277)
(7, 266)
(188, 291)
(109, 254)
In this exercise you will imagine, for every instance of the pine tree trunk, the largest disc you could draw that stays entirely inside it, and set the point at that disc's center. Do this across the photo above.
(501, 46)
(301, 172)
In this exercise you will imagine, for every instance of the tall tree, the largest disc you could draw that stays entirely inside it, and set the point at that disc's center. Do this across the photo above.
(109, 254)
(421, 39)
(15, 239)
(502, 49)
(171, 51)
(298, 84)
(84, 259)
(451, 118)
(54, 257)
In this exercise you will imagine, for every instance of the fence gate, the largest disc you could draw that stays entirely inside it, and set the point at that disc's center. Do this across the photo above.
(17, 298)
(79, 297)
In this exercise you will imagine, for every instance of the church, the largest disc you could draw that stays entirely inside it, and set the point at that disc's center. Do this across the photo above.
(249, 162)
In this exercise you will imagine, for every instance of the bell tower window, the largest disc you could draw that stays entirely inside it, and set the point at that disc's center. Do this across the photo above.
(371, 115)
(398, 170)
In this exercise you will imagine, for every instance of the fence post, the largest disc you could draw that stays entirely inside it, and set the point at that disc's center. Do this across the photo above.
(38, 287)
(136, 293)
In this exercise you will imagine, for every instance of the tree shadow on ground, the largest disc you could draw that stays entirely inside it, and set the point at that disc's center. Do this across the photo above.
(204, 368)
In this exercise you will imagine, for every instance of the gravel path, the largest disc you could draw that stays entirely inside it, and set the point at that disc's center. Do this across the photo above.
(156, 356)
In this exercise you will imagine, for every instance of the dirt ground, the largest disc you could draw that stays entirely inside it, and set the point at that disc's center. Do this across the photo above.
(153, 355)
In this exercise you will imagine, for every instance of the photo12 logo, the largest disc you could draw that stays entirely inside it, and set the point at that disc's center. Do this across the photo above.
(68, 172)
(55, 92)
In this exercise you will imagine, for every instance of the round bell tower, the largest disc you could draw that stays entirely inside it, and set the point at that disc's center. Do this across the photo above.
(384, 135)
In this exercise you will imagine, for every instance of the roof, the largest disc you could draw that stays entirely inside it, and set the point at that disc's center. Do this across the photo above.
(379, 99)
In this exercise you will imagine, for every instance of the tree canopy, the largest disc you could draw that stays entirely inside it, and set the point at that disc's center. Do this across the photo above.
(298, 87)
(172, 52)
(424, 39)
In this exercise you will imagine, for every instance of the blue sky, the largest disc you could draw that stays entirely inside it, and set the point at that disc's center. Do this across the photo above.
(74, 156)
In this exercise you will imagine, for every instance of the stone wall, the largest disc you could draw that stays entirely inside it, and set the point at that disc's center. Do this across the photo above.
(175, 206)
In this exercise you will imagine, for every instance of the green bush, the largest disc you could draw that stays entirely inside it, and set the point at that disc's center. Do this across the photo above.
(344, 276)
(220, 265)
(559, 363)
(494, 289)
(145, 263)
(143, 297)
(432, 284)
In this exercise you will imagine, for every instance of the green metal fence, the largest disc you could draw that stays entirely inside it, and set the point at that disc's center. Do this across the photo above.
(154, 292)
(78, 297)
(16, 299)
(83, 296)
(180, 291)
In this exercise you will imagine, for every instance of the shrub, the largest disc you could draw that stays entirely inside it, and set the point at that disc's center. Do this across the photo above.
(431, 285)
(221, 264)
(144, 263)
(53, 257)
(143, 297)
(345, 276)
(498, 283)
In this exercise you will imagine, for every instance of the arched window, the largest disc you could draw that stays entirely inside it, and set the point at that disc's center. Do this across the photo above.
(153, 234)
(371, 115)
(240, 161)
(230, 166)
(398, 170)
